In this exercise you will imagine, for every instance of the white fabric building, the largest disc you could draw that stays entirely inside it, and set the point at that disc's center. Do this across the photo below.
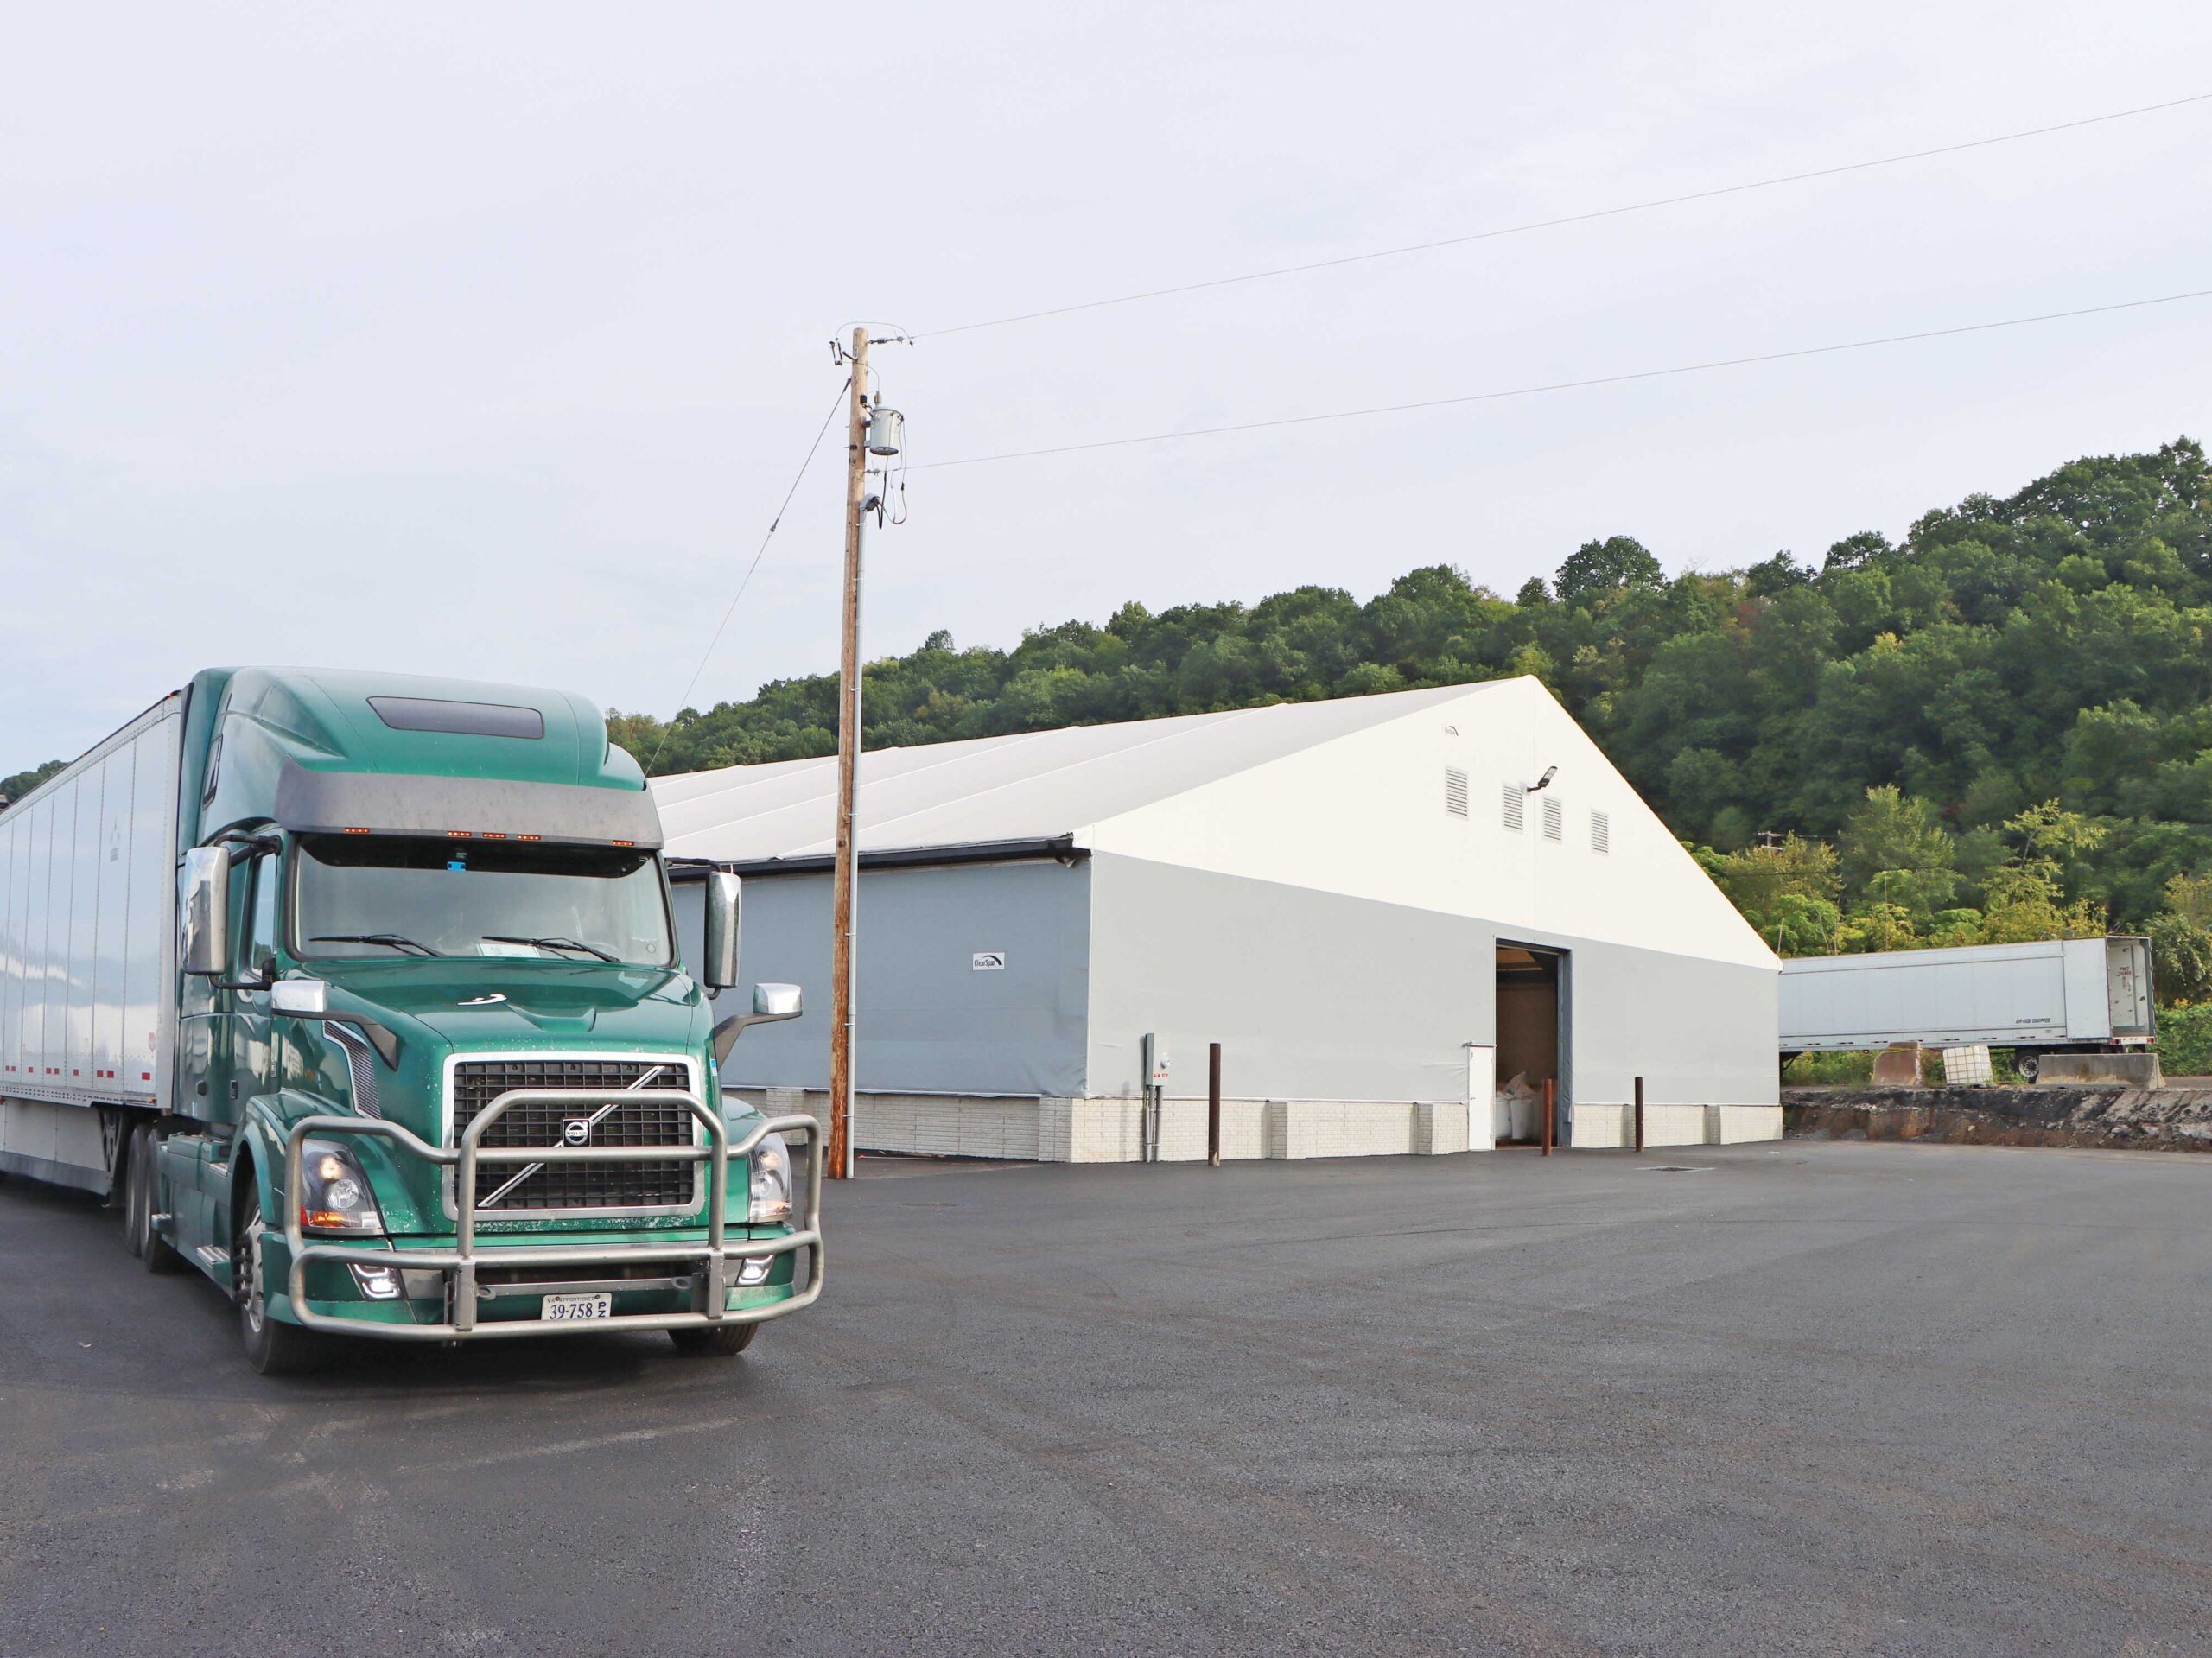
(1366, 902)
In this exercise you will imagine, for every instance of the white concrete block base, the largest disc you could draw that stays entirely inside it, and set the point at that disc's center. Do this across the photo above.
(1112, 1130)
(1603, 1127)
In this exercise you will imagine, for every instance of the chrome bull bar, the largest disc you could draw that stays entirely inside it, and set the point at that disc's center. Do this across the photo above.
(710, 1257)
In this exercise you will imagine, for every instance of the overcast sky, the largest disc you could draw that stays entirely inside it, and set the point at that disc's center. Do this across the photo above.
(484, 340)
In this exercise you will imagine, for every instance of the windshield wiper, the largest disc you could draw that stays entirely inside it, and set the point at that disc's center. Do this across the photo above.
(389, 940)
(550, 943)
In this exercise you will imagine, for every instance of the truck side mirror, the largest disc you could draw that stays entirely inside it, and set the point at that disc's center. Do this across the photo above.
(207, 911)
(771, 1005)
(724, 909)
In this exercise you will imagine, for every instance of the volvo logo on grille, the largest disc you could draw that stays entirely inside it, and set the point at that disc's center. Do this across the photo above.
(576, 1130)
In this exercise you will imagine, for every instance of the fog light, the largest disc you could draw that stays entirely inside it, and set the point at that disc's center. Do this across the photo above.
(377, 1283)
(756, 1272)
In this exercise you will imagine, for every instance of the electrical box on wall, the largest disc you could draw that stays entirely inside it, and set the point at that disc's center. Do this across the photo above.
(1154, 1062)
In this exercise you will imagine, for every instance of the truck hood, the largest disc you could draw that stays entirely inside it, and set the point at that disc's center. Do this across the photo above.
(497, 1002)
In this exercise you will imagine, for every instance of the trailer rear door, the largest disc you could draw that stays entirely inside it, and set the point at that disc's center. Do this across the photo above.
(2127, 985)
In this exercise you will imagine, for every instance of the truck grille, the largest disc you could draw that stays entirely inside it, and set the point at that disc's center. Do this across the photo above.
(638, 1119)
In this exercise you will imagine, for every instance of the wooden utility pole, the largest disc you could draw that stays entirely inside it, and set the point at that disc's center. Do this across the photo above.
(848, 753)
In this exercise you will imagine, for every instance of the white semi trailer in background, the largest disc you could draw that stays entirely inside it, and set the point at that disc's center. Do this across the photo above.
(2056, 995)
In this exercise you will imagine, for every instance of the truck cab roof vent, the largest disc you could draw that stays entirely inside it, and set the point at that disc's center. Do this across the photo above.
(458, 718)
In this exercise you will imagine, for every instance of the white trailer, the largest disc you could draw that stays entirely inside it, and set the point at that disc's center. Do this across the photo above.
(87, 952)
(2080, 995)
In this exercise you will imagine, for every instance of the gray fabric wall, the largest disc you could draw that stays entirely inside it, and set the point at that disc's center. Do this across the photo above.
(929, 1022)
(1312, 996)
(1699, 1032)
(1317, 996)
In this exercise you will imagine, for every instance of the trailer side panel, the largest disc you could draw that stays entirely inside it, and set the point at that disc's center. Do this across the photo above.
(87, 902)
(2046, 993)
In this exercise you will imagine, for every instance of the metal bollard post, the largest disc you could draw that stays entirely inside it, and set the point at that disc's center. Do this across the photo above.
(1213, 1103)
(1639, 1113)
(1551, 1095)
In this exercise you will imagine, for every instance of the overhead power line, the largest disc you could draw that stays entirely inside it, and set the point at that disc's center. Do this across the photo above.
(1566, 218)
(1565, 385)
(707, 654)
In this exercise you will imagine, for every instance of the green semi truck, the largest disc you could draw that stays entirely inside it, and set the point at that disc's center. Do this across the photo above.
(362, 996)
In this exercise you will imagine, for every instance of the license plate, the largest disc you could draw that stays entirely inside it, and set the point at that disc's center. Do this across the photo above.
(576, 1309)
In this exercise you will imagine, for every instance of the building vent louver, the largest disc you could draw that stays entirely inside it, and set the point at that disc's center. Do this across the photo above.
(1601, 832)
(1554, 818)
(1455, 791)
(1512, 797)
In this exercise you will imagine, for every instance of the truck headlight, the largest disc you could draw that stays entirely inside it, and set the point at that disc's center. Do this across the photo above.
(334, 1195)
(772, 1182)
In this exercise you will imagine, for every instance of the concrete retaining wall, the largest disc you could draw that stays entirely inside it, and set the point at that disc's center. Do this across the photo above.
(2163, 1118)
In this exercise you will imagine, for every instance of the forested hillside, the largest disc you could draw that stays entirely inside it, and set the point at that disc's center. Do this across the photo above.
(1998, 726)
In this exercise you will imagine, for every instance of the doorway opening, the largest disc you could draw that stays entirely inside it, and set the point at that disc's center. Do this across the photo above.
(1528, 1029)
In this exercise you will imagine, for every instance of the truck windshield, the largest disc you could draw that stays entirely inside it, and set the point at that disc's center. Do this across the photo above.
(387, 897)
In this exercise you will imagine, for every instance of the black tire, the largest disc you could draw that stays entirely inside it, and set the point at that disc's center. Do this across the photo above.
(272, 1348)
(2029, 1065)
(721, 1342)
(134, 1205)
(144, 1190)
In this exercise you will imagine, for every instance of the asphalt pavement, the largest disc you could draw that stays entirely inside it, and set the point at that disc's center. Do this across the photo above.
(1805, 1398)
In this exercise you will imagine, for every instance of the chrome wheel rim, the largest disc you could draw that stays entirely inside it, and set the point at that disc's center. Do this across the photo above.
(249, 1273)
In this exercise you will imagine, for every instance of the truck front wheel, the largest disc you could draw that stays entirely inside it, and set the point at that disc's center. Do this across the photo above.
(273, 1349)
(723, 1341)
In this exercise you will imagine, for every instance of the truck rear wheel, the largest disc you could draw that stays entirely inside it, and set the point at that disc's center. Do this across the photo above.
(273, 1349)
(142, 1192)
(724, 1342)
(134, 1175)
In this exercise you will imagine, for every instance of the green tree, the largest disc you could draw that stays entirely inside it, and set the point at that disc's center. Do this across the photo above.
(1878, 926)
(1800, 924)
(1774, 576)
(2181, 940)
(1895, 850)
(2027, 898)
(1786, 891)
(1599, 569)
(1857, 552)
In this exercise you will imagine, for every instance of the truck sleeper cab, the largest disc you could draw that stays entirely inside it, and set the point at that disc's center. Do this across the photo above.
(431, 1068)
